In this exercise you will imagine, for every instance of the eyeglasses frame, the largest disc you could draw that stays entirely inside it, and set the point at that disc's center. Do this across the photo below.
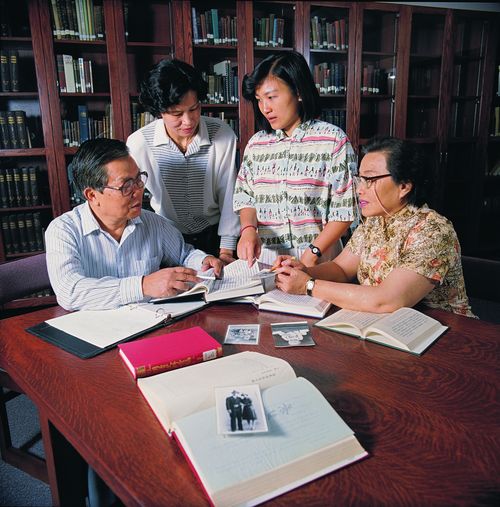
(138, 182)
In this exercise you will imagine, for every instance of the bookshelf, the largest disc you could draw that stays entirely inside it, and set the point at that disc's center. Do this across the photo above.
(426, 74)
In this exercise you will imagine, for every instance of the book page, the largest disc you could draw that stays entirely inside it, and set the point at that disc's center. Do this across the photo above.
(406, 326)
(294, 300)
(235, 469)
(358, 320)
(175, 394)
(236, 275)
(105, 327)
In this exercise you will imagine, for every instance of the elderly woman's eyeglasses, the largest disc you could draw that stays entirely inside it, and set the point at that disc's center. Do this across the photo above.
(128, 187)
(368, 180)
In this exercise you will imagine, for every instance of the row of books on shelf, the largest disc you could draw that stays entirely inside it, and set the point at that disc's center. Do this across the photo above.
(209, 28)
(329, 34)
(77, 19)
(330, 77)
(140, 118)
(269, 32)
(9, 70)
(19, 186)
(420, 80)
(22, 233)
(14, 133)
(75, 132)
(335, 117)
(222, 83)
(74, 74)
(373, 80)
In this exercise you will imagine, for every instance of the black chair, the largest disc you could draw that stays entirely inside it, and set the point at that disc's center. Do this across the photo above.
(482, 281)
(18, 279)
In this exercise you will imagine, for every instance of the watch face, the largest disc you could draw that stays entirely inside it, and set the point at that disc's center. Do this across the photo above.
(315, 250)
(309, 285)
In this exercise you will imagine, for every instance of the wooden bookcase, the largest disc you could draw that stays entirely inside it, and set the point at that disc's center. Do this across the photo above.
(426, 74)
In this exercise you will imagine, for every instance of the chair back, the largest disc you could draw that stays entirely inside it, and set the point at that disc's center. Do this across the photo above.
(22, 277)
(482, 278)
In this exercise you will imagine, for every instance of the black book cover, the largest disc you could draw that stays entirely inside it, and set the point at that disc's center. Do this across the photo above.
(4, 131)
(35, 197)
(37, 226)
(7, 236)
(23, 237)
(14, 70)
(30, 232)
(4, 71)
(18, 186)
(25, 178)
(4, 196)
(11, 190)
(14, 232)
(12, 129)
(22, 135)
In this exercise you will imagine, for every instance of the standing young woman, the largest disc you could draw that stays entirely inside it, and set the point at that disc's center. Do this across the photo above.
(190, 159)
(403, 253)
(294, 190)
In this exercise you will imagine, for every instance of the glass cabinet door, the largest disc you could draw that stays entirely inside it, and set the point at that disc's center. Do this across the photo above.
(378, 73)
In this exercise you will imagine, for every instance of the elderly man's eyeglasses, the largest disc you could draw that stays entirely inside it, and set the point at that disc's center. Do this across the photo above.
(128, 187)
(368, 180)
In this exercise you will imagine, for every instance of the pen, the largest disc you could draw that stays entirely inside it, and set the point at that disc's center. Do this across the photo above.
(274, 268)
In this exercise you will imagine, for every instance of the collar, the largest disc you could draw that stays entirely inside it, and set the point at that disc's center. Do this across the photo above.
(298, 133)
(200, 139)
(90, 223)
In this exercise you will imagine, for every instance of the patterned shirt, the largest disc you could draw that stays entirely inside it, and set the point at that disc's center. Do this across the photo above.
(194, 189)
(297, 184)
(90, 270)
(418, 239)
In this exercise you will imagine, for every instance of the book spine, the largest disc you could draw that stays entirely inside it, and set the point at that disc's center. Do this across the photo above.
(30, 232)
(7, 236)
(14, 70)
(4, 131)
(83, 122)
(153, 369)
(56, 21)
(33, 177)
(25, 179)
(4, 71)
(18, 186)
(11, 128)
(37, 226)
(23, 237)
(14, 232)
(4, 196)
(11, 191)
(22, 135)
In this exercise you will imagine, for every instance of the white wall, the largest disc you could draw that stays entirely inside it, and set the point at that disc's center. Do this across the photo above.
(473, 6)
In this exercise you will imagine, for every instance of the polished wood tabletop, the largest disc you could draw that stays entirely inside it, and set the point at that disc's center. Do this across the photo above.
(429, 423)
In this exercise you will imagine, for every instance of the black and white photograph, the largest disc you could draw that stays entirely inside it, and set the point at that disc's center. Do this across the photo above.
(244, 334)
(292, 334)
(240, 410)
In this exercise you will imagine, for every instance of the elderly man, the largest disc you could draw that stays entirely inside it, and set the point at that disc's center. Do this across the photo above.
(108, 251)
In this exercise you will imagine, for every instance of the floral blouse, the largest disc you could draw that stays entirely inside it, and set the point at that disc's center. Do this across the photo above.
(418, 239)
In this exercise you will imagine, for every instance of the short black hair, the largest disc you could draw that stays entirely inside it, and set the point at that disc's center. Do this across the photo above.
(89, 164)
(292, 68)
(167, 82)
(405, 163)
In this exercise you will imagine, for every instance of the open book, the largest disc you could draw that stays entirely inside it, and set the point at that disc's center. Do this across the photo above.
(278, 301)
(236, 282)
(405, 329)
(86, 333)
(306, 437)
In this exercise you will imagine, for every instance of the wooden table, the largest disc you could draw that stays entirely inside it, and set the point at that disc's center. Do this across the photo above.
(430, 423)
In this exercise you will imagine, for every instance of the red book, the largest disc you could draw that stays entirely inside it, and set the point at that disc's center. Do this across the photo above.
(169, 351)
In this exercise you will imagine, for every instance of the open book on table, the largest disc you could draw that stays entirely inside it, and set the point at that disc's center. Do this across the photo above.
(236, 282)
(306, 437)
(278, 301)
(405, 329)
(87, 333)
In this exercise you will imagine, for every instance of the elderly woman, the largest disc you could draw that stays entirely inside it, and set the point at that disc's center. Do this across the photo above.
(190, 159)
(401, 254)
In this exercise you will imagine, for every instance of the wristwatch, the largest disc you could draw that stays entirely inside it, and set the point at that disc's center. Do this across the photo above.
(310, 286)
(315, 250)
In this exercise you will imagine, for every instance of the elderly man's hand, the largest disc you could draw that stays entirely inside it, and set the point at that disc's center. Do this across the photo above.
(168, 282)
